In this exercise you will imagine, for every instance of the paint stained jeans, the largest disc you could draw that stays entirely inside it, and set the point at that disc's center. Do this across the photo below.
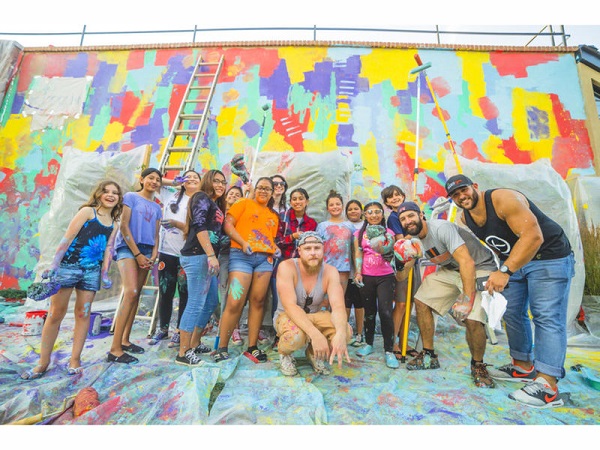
(170, 276)
(543, 287)
(203, 293)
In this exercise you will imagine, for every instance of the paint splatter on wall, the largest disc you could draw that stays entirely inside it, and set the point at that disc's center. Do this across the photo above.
(499, 107)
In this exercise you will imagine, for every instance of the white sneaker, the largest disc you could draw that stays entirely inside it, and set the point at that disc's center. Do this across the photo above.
(317, 364)
(236, 337)
(288, 365)
(537, 394)
(263, 337)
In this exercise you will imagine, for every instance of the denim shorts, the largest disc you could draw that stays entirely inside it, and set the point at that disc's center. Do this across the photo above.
(256, 262)
(125, 252)
(75, 276)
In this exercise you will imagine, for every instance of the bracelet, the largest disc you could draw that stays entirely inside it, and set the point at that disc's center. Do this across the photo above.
(212, 254)
(135, 256)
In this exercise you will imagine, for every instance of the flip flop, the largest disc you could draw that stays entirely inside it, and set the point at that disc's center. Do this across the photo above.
(74, 370)
(132, 348)
(30, 375)
(412, 353)
(125, 358)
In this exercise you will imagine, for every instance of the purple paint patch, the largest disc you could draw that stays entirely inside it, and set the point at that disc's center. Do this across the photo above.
(17, 104)
(492, 126)
(251, 128)
(116, 104)
(537, 121)
(319, 80)
(78, 66)
(151, 133)
(99, 95)
(277, 86)
(342, 379)
(344, 136)
(404, 102)
(176, 73)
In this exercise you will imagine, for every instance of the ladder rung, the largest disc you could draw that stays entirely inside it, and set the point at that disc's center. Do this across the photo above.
(209, 63)
(204, 74)
(199, 87)
(195, 101)
(179, 167)
(191, 116)
(179, 149)
(185, 132)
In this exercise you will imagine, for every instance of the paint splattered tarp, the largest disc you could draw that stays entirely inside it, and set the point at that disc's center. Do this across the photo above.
(237, 391)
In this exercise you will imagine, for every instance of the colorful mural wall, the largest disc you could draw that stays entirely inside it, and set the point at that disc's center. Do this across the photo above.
(499, 106)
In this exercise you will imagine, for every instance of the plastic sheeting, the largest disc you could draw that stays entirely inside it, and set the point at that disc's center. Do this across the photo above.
(318, 173)
(80, 172)
(10, 54)
(544, 187)
(586, 196)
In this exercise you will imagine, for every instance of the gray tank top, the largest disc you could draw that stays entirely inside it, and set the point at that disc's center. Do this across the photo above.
(302, 297)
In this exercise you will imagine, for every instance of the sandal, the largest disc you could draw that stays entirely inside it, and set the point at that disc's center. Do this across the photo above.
(221, 355)
(409, 352)
(30, 375)
(125, 358)
(132, 348)
(74, 370)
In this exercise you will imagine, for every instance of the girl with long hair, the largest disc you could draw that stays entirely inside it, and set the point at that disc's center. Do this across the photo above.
(81, 262)
(375, 277)
(200, 260)
(137, 251)
(171, 275)
(251, 224)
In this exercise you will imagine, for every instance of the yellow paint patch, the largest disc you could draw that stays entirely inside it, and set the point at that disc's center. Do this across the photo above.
(370, 158)
(385, 65)
(274, 142)
(227, 120)
(14, 136)
(522, 99)
(301, 59)
(119, 58)
(80, 130)
(473, 63)
(492, 148)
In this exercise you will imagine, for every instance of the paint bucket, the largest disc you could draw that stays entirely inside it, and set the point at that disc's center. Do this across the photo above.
(95, 323)
(34, 322)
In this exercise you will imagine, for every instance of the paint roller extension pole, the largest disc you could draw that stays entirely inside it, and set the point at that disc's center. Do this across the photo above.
(265, 108)
(440, 115)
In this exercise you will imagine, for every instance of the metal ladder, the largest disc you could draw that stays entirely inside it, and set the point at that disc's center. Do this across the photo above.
(182, 145)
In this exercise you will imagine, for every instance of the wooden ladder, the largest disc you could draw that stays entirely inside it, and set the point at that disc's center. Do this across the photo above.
(181, 149)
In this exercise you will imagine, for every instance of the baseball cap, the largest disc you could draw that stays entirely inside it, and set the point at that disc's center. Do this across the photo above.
(315, 238)
(456, 182)
(408, 206)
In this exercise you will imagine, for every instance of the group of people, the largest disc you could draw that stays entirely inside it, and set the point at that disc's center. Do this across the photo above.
(249, 246)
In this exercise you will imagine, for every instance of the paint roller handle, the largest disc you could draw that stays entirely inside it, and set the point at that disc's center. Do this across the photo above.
(418, 59)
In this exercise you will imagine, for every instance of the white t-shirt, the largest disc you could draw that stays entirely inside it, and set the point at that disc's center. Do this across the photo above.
(171, 240)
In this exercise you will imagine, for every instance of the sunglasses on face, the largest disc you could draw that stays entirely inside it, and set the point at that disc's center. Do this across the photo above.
(371, 212)
(278, 183)
(307, 302)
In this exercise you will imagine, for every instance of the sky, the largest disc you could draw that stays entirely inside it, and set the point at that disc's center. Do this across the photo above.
(523, 16)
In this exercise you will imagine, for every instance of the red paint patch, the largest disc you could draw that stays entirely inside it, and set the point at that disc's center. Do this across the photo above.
(516, 64)
(163, 56)
(395, 101)
(445, 114)
(571, 152)
(239, 61)
(440, 87)
(290, 127)
(488, 109)
(136, 59)
(176, 98)
(403, 162)
(512, 152)
(129, 104)
(50, 179)
(432, 189)
(470, 150)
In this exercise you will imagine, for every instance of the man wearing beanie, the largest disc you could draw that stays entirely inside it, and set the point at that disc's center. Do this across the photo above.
(462, 258)
(536, 257)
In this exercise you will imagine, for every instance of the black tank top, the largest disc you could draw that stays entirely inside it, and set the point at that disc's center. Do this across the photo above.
(496, 233)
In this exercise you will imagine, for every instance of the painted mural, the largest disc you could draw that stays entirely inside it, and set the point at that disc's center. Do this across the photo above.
(499, 106)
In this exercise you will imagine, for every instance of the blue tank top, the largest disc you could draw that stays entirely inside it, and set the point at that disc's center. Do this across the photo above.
(496, 233)
(88, 247)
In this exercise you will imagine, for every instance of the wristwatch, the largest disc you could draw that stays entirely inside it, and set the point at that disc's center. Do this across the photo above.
(504, 269)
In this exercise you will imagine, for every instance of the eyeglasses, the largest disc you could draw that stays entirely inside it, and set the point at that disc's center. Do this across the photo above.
(264, 189)
(373, 212)
(278, 183)
(221, 182)
(307, 302)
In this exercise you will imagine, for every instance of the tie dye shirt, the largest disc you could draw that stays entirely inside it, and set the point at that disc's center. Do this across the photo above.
(87, 249)
(205, 215)
(337, 238)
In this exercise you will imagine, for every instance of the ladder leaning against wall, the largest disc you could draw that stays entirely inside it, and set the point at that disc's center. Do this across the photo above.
(181, 150)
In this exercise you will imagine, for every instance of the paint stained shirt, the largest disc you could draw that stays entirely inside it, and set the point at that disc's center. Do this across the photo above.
(373, 263)
(337, 238)
(143, 221)
(88, 247)
(289, 226)
(256, 224)
(205, 215)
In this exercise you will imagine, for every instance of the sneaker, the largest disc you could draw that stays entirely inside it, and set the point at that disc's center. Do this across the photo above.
(202, 349)
(365, 350)
(288, 365)
(391, 361)
(236, 338)
(423, 361)
(481, 376)
(159, 335)
(537, 394)
(512, 372)
(318, 365)
(263, 337)
(189, 359)
(220, 355)
(358, 341)
(174, 340)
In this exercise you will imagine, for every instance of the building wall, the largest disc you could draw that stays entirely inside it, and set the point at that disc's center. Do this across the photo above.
(499, 106)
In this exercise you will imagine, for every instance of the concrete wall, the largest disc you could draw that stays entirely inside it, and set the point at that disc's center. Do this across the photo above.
(500, 105)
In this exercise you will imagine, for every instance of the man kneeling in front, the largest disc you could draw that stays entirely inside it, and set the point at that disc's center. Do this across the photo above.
(303, 285)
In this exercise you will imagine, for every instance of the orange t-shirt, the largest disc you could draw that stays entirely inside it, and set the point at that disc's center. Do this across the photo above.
(256, 224)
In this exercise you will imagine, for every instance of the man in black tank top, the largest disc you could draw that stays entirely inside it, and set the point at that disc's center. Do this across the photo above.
(536, 256)
(303, 284)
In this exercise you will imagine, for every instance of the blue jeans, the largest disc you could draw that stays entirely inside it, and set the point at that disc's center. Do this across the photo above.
(542, 287)
(203, 293)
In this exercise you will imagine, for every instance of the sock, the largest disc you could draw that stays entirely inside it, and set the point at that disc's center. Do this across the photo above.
(430, 352)
(473, 362)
